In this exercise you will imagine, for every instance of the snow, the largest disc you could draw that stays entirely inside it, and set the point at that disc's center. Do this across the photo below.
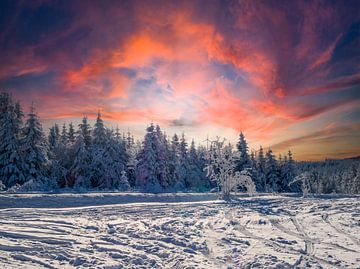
(184, 230)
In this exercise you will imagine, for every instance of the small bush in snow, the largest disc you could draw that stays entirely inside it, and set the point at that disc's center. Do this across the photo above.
(303, 179)
(14, 188)
(2, 186)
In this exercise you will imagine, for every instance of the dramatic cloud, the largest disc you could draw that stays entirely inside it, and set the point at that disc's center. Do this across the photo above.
(262, 67)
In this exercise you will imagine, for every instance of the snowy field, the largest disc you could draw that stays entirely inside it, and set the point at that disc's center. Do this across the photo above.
(111, 230)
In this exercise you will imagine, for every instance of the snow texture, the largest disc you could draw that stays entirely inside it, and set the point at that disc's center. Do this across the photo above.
(135, 230)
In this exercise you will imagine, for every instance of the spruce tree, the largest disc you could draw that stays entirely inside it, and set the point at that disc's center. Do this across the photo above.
(85, 130)
(272, 175)
(131, 153)
(182, 169)
(71, 133)
(115, 159)
(59, 159)
(254, 170)
(147, 166)
(124, 182)
(243, 161)
(57, 133)
(19, 115)
(80, 170)
(11, 162)
(261, 171)
(288, 173)
(98, 154)
(52, 139)
(174, 161)
(196, 174)
(162, 154)
(34, 148)
(64, 136)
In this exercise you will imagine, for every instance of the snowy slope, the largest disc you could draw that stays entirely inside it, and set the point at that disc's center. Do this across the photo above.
(110, 230)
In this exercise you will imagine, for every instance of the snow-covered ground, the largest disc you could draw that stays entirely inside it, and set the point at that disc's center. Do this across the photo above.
(112, 230)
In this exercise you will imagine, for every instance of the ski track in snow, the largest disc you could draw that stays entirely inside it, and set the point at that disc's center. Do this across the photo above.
(266, 231)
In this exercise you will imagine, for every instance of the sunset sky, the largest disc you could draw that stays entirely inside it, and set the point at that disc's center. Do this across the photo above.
(286, 73)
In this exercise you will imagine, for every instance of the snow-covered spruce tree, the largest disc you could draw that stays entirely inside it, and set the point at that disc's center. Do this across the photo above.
(12, 167)
(202, 154)
(261, 171)
(280, 171)
(183, 167)
(243, 161)
(98, 157)
(52, 139)
(147, 166)
(174, 161)
(162, 153)
(132, 151)
(64, 135)
(57, 155)
(124, 182)
(179, 164)
(85, 130)
(253, 170)
(80, 170)
(128, 139)
(272, 174)
(19, 115)
(115, 160)
(253, 162)
(288, 173)
(221, 169)
(34, 149)
(71, 134)
(196, 175)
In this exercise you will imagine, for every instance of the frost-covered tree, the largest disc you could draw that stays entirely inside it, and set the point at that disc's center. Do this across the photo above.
(147, 166)
(12, 168)
(245, 180)
(221, 169)
(34, 148)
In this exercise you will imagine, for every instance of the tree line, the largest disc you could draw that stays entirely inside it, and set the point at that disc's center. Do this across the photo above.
(97, 157)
